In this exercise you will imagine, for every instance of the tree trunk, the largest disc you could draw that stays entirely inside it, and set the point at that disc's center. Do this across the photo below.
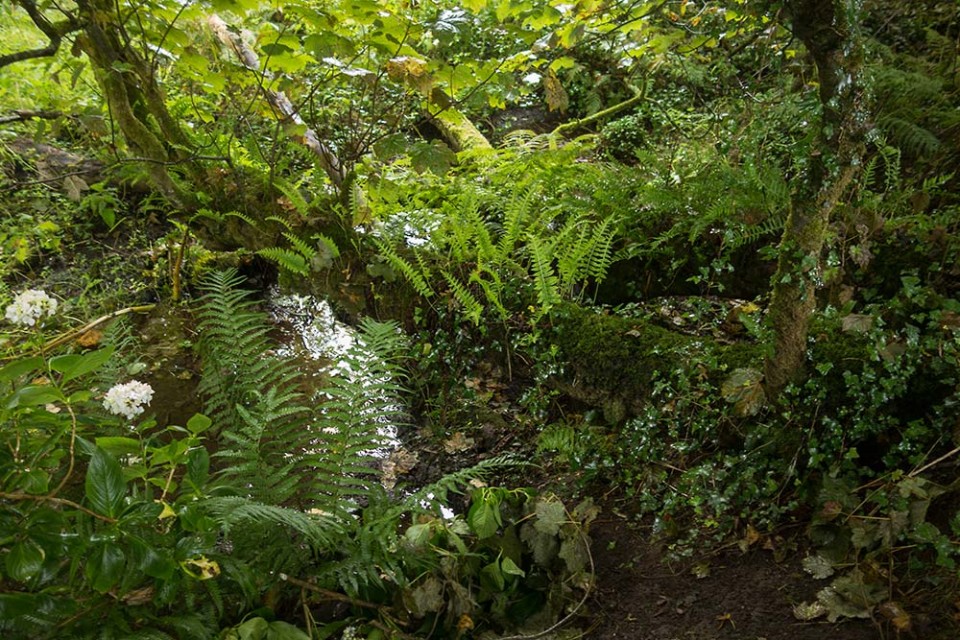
(135, 100)
(829, 29)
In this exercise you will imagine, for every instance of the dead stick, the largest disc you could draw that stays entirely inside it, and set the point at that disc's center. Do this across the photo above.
(75, 333)
(917, 472)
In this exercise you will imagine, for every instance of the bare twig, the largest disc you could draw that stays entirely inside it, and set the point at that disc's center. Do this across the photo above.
(54, 33)
(917, 472)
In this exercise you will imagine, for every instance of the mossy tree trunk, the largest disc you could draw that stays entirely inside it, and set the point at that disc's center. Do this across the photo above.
(134, 98)
(829, 29)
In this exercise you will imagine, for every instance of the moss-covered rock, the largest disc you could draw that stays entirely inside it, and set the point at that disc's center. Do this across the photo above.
(610, 360)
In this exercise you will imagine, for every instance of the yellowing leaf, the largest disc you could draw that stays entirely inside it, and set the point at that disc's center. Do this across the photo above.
(201, 568)
(458, 442)
(557, 98)
(90, 338)
(744, 389)
(167, 511)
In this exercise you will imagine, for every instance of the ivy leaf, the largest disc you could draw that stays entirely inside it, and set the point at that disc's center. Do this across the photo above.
(24, 561)
(818, 567)
(426, 597)
(104, 485)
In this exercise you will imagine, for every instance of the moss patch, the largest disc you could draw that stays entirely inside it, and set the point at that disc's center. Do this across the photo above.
(610, 360)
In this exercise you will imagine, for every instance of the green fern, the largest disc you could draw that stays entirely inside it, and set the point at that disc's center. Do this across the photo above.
(546, 283)
(414, 274)
(286, 259)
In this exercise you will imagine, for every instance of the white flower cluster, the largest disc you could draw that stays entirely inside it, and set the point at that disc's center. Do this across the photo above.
(30, 306)
(128, 399)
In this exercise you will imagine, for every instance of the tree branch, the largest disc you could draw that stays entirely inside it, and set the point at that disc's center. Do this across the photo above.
(278, 100)
(54, 33)
(22, 115)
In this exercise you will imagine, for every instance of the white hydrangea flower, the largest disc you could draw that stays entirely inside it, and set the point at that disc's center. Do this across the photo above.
(30, 306)
(128, 399)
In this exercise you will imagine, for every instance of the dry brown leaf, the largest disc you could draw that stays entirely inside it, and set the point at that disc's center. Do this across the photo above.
(458, 442)
(90, 338)
(896, 614)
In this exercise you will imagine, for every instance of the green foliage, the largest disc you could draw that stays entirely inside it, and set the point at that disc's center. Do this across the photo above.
(506, 252)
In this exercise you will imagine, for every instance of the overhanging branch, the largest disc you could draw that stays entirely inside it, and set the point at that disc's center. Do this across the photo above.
(54, 33)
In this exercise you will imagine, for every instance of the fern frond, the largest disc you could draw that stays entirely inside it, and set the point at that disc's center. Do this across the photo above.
(472, 308)
(404, 267)
(322, 531)
(287, 259)
(301, 245)
(545, 280)
(236, 214)
(293, 194)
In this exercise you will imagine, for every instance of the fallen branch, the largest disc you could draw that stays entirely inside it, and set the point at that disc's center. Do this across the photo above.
(22, 115)
(639, 96)
(76, 333)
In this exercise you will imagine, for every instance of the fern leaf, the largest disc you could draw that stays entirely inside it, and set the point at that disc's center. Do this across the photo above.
(402, 266)
(286, 259)
(472, 308)
(547, 284)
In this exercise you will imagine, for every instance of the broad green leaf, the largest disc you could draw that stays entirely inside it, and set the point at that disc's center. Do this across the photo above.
(252, 629)
(418, 534)
(88, 363)
(64, 362)
(14, 605)
(483, 519)
(510, 568)
(119, 445)
(19, 368)
(33, 395)
(198, 424)
(152, 562)
(104, 484)
(198, 467)
(105, 567)
(35, 481)
(280, 630)
(24, 561)
(492, 577)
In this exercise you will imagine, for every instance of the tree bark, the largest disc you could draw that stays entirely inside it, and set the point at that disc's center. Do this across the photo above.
(327, 157)
(829, 29)
(135, 100)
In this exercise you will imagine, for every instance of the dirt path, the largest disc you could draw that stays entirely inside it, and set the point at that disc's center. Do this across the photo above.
(744, 597)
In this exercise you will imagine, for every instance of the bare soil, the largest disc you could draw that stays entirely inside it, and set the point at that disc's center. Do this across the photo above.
(746, 596)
